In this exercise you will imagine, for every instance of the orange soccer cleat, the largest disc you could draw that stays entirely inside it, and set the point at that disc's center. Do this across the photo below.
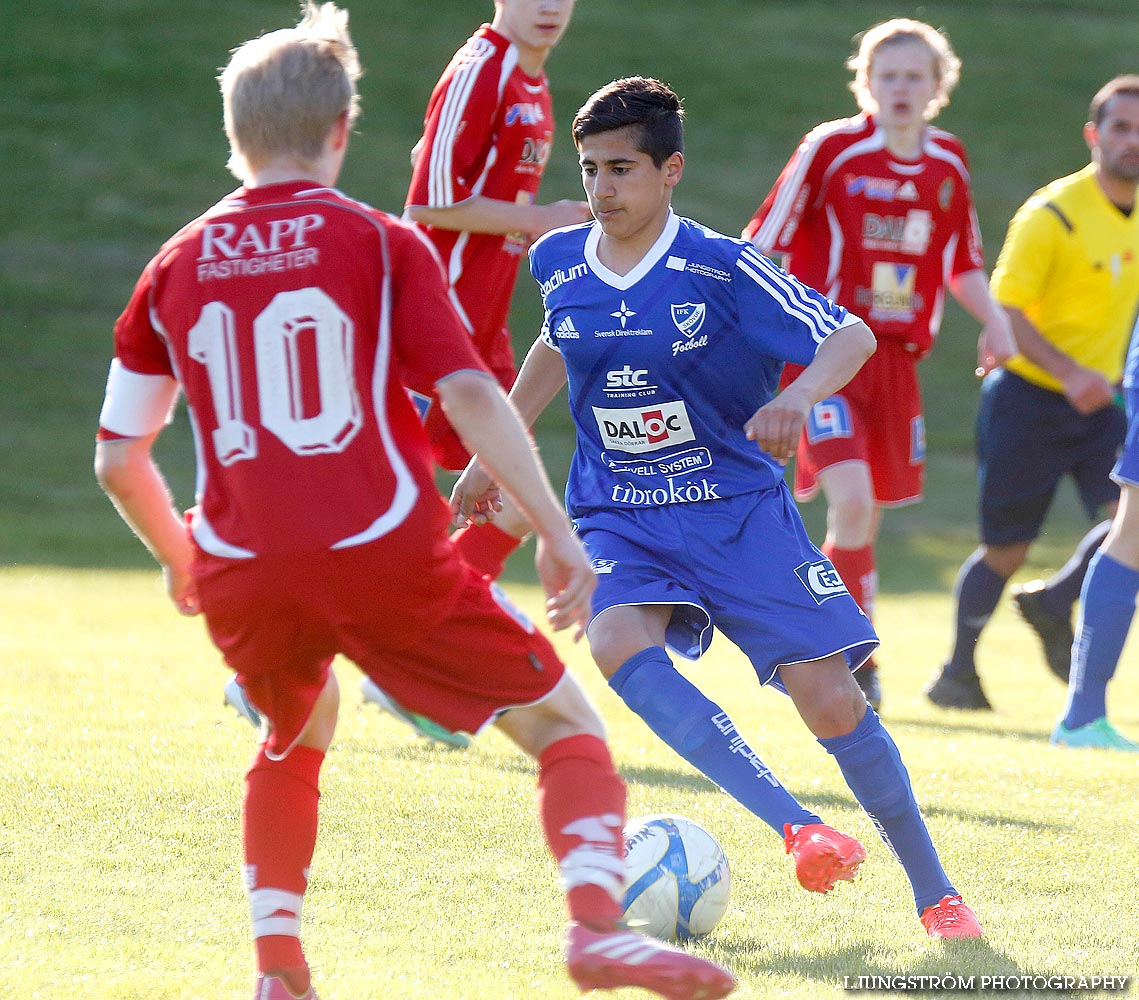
(822, 855)
(950, 918)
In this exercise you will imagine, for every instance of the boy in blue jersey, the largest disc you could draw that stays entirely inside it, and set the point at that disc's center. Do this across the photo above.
(672, 338)
(1107, 600)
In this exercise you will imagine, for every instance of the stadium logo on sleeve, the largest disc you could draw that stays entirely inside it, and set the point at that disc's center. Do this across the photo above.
(821, 580)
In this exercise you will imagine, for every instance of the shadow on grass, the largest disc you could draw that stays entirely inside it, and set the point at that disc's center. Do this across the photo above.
(966, 959)
(997, 731)
(420, 752)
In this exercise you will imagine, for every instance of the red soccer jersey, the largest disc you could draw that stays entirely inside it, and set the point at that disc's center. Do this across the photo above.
(487, 131)
(290, 315)
(878, 234)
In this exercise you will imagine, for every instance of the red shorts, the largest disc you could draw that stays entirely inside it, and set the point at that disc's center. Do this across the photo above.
(876, 418)
(449, 450)
(430, 631)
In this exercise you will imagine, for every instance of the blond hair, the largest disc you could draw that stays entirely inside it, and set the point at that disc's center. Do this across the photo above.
(283, 92)
(946, 65)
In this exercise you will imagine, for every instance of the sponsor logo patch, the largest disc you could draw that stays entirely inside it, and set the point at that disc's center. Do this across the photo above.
(829, 420)
(821, 580)
(644, 429)
(673, 464)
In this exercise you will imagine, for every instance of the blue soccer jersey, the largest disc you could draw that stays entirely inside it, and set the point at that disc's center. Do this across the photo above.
(666, 363)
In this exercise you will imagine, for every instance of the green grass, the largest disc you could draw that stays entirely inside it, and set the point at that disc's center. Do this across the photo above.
(120, 784)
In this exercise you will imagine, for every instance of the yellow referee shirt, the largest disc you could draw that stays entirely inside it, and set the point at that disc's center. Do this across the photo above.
(1070, 263)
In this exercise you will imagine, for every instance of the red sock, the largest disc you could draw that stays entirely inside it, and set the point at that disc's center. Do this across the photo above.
(280, 821)
(485, 548)
(858, 571)
(581, 799)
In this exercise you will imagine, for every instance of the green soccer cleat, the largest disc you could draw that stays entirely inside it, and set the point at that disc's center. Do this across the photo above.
(1099, 735)
(422, 725)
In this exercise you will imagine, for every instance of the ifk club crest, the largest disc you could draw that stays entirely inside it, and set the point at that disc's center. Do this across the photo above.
(689, 317)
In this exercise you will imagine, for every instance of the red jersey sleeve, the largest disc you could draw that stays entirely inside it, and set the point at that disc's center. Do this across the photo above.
(457, 138)
(138, 345)
(772, 228)
(429, 339)
(969, 255)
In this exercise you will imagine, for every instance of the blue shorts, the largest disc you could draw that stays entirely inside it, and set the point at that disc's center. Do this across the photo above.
(1126, 471)
(743, 564)
(1028, 439)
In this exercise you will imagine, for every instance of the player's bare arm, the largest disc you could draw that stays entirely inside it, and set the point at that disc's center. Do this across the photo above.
(127, 472)
(492, 215)
(541, 378)
(1086, 390)
(490, 427)
(776, 426)
(995, 343)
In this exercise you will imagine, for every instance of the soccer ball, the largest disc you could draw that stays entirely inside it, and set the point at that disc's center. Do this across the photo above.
(676, 876)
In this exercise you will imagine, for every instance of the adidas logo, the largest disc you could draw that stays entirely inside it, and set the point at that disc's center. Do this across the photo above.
(565, 330)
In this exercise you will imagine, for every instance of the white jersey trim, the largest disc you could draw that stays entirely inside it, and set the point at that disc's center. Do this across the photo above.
(135, 404)
(440, 190)
(623, 282)
(767, 235)
(406, 492)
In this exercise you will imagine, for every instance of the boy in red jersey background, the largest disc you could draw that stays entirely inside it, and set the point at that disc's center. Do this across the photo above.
(291, 317)
(876, 212)
(487, 134)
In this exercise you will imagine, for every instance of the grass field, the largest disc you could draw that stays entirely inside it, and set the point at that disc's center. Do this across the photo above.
(120, 771)
(120, 788)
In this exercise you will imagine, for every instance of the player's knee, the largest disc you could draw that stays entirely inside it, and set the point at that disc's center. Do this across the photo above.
(838, 715)
(1004, 560)
(321, 725)
(850, 518)
(565, 712)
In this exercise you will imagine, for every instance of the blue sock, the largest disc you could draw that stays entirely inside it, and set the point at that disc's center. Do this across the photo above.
(977, 590)
(1064, 586)
(703, 735)
(873, 768)
(1107, 606)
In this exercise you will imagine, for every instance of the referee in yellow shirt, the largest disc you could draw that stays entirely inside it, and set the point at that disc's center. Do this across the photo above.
(1068, 277)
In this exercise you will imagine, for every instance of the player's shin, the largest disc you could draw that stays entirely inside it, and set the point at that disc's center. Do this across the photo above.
(703, 734)
(280, 824)
(581, 800)
(873, 768)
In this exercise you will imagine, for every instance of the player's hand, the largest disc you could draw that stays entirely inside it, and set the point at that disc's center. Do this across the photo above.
(476, 498)
(995, 345)
(776, 425)
(1088, 390)
(564, 213)
(182, 589)
(569, 582)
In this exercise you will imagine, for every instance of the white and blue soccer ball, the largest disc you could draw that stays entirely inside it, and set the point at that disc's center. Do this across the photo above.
(677, 878)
